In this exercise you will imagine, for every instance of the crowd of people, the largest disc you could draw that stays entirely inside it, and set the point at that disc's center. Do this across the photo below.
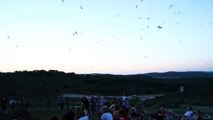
(12, 103)
(122, 109)
(113, 108)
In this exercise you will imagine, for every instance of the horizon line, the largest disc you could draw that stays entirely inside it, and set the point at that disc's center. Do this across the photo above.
(93, 73)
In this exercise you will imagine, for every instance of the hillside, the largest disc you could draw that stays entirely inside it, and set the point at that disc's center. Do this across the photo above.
(53, 82)
(50, 83)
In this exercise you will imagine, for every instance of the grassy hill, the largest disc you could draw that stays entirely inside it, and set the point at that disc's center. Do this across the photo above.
(42, 83)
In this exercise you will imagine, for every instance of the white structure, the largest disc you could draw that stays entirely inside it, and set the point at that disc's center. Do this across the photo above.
(181, 89)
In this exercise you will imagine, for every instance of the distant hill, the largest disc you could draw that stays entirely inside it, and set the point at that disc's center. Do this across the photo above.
(42, 83)
(173, 74)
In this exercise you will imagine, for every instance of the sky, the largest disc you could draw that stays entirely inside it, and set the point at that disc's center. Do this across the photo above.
(106, 36)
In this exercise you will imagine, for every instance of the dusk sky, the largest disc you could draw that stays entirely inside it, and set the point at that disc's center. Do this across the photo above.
(106, 36)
